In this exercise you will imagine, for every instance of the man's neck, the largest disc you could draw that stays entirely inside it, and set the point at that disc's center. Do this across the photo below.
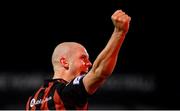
(63, 75)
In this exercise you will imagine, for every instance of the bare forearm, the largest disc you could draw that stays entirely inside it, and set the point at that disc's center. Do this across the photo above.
(106, 60)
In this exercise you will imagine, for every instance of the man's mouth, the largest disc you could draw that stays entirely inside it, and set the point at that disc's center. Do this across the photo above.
(83, 72)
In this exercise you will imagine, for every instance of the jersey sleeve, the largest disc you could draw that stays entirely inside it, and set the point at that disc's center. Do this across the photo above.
(74, 94)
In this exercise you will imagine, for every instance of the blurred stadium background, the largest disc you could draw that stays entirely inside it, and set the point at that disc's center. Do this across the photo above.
(145, 76)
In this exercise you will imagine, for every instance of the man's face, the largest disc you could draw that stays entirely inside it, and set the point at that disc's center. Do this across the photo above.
(80, 61)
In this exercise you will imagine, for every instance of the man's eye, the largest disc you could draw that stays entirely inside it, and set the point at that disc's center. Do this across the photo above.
(83, 57)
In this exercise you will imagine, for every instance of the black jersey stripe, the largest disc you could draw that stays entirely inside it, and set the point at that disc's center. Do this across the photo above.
(51, 104)
(40, 97)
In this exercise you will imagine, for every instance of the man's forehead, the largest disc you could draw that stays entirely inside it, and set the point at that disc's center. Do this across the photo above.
(84, 52)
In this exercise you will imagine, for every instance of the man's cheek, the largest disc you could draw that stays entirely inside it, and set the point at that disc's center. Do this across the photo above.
(82, 63)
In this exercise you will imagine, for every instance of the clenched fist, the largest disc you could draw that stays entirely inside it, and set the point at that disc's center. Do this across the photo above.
(121, 21)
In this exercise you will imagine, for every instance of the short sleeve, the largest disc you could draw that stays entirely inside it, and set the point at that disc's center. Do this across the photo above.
(74, 93)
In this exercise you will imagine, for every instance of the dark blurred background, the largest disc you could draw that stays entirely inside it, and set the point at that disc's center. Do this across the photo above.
(146, 75)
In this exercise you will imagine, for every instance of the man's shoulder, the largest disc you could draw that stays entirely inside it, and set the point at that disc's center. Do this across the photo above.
(77, 79)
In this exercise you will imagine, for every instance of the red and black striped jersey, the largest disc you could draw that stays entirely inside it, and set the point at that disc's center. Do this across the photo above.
(58, 94)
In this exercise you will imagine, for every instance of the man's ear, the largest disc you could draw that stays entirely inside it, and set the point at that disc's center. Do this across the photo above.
(64, 62)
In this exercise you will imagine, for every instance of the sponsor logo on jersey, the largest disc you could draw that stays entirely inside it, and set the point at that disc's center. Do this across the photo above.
(40, 101)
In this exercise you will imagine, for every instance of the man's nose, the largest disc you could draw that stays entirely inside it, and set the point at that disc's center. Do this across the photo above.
(89, 64)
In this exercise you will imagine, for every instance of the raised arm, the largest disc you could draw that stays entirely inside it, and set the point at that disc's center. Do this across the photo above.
(105, 62)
